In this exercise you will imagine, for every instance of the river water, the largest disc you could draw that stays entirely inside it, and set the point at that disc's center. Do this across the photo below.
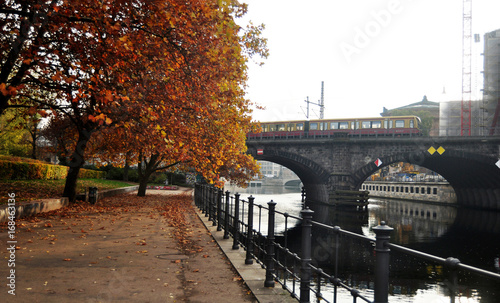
(472, 236)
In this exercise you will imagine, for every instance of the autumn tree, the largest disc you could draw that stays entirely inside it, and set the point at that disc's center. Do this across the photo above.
(196, 113)
(101, 63)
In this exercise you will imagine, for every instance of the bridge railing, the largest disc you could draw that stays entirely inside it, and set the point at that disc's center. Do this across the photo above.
(254, 227)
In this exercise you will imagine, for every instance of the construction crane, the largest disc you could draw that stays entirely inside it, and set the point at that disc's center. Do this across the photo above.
(465, 113)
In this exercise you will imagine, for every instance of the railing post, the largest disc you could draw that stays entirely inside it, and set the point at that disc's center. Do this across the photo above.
(214, 206)
(226, 217)
(303, 194)
(269, 282)
(382, 237)
(196, 195)
(236, 222)
(209, 199)
(219, 210)
(305, 271)
(249, 259)
(206, 200)
(202, 201)
(452, 264)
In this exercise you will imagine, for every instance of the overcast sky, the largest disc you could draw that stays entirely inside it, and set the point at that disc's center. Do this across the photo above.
(369, 53)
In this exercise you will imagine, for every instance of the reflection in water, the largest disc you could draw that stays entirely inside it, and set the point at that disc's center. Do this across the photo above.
(412, 222)
(442, 230)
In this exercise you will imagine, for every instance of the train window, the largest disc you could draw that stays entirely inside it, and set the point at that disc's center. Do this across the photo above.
(265, 128)
(411, 124)
(272, 128)
(334, 125)
(280, 127)
(386, 123)
(343, 125)
(299, 126)
(290, 127)
(376, 124)
(357, 125)
(391, 124)
(365, 124)
(400, 123)
(313, 126)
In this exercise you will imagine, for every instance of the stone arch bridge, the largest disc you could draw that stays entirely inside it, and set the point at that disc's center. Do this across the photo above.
(323, 165)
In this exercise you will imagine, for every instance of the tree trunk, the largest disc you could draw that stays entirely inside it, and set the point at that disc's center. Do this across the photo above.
(70, 186)
(76, 162)
(143, 184)
(145, 173)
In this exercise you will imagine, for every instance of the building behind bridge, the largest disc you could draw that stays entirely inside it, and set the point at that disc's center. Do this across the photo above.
(444, 118)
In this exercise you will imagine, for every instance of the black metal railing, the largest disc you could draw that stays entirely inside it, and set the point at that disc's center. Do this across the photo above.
(298, 272)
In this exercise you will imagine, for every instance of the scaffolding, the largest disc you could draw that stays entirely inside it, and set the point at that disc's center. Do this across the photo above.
(450, 118)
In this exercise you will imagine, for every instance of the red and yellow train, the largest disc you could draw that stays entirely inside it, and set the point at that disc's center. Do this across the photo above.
(380, 126)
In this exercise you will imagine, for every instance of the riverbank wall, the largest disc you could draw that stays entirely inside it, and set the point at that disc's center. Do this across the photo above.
(439, 192)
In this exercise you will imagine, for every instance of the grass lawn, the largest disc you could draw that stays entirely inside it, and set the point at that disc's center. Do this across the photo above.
(28, 190)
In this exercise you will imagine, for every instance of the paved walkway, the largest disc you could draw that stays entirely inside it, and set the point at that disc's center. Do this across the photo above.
(253, 274)
(122, 249)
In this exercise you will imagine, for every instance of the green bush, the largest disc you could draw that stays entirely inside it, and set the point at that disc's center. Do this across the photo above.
(133, 175)
(158, 178)
(19, 169)
(91, 174)
(15, 170)
(114, 173)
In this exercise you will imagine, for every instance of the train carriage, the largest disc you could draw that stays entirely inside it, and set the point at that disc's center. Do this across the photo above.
(379, 126)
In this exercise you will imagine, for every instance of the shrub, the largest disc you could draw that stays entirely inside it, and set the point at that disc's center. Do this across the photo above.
(91, 174)
(15, 168)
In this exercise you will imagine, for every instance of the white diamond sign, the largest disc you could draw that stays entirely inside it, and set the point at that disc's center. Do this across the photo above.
(498, 164)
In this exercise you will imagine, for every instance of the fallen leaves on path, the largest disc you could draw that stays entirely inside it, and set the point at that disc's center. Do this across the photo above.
(175, 210)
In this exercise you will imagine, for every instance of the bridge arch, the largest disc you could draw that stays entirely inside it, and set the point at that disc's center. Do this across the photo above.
(474, 177)
(312, 175)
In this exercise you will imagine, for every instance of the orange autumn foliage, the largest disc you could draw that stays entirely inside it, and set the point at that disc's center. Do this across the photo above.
(167, 76)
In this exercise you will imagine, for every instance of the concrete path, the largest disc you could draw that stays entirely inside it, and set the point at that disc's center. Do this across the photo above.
(253, 274)
(121, 249)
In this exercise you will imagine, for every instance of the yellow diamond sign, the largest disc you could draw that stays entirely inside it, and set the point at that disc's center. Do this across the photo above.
(440, 150)
(431, 150)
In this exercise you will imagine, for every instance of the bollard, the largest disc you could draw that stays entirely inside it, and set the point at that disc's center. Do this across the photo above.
(226, 217)
(249, 259)
(305, 271)
(219, 210)
(236, 222)
(269, 282)
(381, 293)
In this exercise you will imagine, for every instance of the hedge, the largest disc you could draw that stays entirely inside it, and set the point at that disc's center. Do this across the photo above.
(91, 174)
(15, 170)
